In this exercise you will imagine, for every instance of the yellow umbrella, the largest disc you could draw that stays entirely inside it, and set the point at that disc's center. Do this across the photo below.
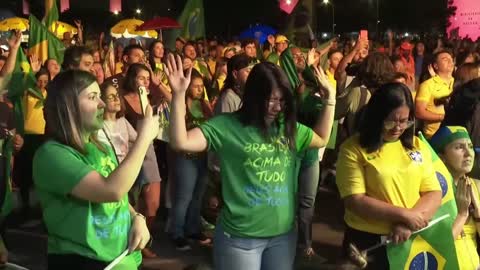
(14, 23)
(127, 29)
(63, 27)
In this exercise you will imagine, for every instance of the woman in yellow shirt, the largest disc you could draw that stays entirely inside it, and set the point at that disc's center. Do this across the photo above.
(385, 175)
(34, 126)
(455, 148)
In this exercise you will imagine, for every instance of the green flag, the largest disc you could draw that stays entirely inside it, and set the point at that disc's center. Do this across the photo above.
(22, 80)
(51, 14)
(6, 159)
(43, 43)
(192, 20)
(288, 65)
(433, 248)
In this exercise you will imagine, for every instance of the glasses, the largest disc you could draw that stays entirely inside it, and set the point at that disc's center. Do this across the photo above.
(404, 124)
(275, 102)
(112, 97)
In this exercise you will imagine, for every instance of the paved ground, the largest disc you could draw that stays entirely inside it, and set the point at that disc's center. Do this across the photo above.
(27, 242)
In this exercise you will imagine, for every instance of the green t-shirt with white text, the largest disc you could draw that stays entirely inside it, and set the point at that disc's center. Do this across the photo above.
(259, 176)
(75, 226)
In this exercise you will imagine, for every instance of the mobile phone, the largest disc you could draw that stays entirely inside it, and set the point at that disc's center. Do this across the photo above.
(143, 94)
(364, 34)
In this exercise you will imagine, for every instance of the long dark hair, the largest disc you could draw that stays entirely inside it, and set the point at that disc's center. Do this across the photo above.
(151, 57)
(386, 99)
(129, 84)
(263, 78)
(62, 111)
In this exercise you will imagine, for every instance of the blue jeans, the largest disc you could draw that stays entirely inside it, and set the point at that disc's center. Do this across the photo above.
(307, 191)
(236, 253)
(189, 187)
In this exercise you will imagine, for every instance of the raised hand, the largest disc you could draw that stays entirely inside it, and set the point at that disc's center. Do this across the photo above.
(178, 79)
(155, 76)
(35, 63)
(311, 57)
(362, 44)
(148, 126)
(431, 70)
(325, 84)
(271, 39)
(78, 23)
(15, 40)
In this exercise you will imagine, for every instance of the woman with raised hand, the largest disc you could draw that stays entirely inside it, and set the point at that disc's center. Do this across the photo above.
(257, 147)
(81, 187)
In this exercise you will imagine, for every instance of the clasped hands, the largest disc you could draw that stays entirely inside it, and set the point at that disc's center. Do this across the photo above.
(411, 220)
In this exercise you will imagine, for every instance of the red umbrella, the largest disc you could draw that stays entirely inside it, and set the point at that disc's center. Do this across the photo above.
(159, 23)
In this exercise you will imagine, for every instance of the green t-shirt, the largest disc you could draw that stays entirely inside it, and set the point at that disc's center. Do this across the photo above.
(259, 176)
(94, 230)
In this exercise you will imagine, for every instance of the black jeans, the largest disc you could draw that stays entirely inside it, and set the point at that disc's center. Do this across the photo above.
(73, 262)
(377, 259)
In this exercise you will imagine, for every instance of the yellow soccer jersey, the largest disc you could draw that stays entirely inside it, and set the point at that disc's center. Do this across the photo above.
(392, 174)
(433, 89)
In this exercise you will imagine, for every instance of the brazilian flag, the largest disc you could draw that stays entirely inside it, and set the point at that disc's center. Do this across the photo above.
(310, 104)
(44, 43)
(434, 248)
(51, 14)
(22, 80)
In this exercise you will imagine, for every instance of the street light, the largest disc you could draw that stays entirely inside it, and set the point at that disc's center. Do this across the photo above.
(326, 2)
(138, 11)
(378, 22)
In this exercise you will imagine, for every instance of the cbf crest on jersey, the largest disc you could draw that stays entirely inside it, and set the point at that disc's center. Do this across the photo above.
(416, 156)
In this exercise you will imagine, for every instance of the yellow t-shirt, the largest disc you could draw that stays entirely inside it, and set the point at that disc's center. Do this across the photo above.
(392, 174)
(221, 81)
(160, 68)
(118, 68)
(466, 245)
(34, 120)
(331, 78)
(430, 90)
(212, 64)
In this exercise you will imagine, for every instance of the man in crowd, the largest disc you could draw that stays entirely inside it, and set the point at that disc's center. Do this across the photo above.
(131, 54)
(190, 52)
(281, 44)
(249, 48)
(433, 94)
(78, 57)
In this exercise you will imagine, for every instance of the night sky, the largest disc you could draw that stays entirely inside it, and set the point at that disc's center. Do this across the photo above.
(228, 18)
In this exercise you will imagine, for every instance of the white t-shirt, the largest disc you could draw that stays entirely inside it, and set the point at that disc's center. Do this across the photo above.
(121, 135)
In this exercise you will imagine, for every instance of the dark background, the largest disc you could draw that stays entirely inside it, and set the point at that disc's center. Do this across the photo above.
(228, 18)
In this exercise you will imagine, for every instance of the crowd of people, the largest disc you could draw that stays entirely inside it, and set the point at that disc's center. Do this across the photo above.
(248, 132)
